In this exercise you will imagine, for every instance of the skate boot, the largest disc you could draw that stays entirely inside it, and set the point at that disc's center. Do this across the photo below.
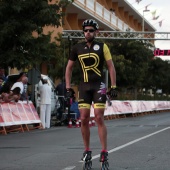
(87, 163)
(104, 161)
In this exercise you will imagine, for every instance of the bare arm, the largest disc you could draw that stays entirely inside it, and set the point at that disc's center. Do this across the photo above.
(68, 73)
(112, 72)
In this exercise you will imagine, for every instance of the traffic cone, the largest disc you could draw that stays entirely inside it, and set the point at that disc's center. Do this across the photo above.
(70, 124)
(93, 122)
(77, 124)
(90, 124)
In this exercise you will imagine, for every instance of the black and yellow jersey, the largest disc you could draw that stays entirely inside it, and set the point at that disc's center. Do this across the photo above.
(91, 59)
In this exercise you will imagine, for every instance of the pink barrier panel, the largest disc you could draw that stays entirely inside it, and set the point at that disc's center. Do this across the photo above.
(15, 113)
(117, 107)
(121, 107)
(109, 110)
(36, 116)
(151, 105)
(6, 114)
(135, 106)
(29, 112)
(18, 113)
(146, 106)
(24, 116)
(159, 105)
(142, 106)
(155, 105)
(167, 104)
(1, 117)
(125, 107)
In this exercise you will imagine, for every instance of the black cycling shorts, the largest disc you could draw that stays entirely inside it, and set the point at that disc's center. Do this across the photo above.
(92, 92)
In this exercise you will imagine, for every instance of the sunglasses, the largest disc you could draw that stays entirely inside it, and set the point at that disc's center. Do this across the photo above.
(90, 30)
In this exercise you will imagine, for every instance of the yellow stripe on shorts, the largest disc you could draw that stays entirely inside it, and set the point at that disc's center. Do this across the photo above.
(99, 105)
(84, 106)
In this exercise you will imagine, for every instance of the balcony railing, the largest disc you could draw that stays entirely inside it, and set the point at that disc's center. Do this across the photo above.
(103, 14)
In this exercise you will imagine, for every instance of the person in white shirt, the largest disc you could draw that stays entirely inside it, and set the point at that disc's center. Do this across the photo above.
(16, 91)
(45, 104)
(18, 84)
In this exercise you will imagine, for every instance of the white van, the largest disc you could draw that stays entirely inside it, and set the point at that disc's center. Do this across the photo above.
(54, 97)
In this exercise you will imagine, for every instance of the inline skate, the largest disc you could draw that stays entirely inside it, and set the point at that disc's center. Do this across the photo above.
(104, 161)
(87, 163)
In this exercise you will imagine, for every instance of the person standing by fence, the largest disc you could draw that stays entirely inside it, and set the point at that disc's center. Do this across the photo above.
(45, 104)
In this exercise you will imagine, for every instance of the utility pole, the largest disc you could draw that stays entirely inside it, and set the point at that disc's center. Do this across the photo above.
(143, 20)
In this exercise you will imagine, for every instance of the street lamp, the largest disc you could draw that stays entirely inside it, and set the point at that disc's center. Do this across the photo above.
(143, 21)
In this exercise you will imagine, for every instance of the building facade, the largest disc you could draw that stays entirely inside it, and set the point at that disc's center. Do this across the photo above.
(111, 15)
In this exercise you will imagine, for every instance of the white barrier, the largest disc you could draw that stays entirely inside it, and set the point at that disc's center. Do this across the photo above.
(124, 107)
(18, 113)
(25, 113)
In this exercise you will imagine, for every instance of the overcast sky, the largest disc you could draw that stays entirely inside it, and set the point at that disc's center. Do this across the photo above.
(162, 8)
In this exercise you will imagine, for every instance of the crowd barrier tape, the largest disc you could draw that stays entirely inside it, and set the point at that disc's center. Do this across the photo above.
(118, 107)
(18, 113)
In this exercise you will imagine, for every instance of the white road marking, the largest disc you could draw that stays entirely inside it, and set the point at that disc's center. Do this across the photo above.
(69, 168)
(132, 142)
(122, 146)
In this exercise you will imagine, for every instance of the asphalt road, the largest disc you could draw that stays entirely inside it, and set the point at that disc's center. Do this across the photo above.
(134, 143)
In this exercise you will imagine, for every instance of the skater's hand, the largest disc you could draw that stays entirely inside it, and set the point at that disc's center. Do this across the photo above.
(112, 93)
(70, 93)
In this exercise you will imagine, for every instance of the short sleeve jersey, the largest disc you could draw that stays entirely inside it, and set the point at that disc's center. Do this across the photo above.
(91, 59)
(20, 85)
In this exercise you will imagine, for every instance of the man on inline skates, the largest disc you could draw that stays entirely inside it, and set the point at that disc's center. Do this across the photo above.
(91, 56)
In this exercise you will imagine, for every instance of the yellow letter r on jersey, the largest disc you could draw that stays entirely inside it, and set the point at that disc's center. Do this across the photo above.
(93, 66)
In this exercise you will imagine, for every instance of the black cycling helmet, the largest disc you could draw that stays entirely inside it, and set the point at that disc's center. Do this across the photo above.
(90, 22)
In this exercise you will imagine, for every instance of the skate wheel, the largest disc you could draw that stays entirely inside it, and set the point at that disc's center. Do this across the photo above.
(84, 166)
(87, 165)
(105, 165)
(90, 165)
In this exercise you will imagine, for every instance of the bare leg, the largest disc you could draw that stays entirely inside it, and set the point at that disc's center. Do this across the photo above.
(85, 130)
(102, 131)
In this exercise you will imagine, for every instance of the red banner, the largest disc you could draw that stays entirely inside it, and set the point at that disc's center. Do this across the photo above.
(18, 113)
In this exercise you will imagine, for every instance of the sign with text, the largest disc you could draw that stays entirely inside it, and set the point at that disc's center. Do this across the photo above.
(159, 52)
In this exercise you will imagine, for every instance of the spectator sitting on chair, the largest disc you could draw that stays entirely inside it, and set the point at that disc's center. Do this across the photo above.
(20, 84)
(14, 95)
(15, 92)
(24, 95)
